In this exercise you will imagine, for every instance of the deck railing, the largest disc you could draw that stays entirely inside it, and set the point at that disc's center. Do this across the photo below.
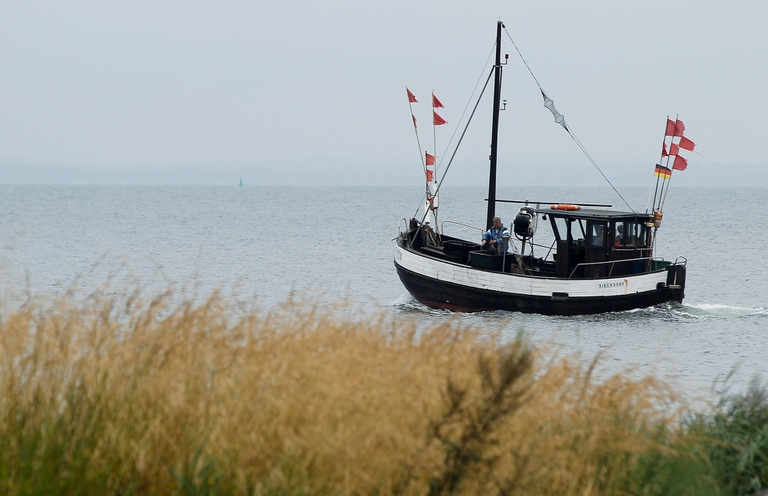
(442, 226)
(612, 263)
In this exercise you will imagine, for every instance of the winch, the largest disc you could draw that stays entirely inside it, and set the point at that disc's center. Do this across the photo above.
(523, 224)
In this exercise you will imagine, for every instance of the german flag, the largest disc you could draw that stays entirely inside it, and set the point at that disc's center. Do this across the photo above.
(662, 172)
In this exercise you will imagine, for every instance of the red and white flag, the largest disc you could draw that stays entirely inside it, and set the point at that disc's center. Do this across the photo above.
(687, 144)
(664, 152)
(430, 159)
(430, 175)
(680, 163)
(675, 128)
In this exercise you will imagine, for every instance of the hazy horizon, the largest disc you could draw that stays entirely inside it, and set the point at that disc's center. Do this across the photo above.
(406, 175)
(140, 91)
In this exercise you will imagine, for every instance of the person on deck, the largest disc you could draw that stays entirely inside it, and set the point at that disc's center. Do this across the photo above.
(496, 238)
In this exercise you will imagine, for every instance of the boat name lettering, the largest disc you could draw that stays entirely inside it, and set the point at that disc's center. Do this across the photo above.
(611, 284)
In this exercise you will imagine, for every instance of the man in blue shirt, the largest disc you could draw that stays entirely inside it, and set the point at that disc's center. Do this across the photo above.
(496, 238)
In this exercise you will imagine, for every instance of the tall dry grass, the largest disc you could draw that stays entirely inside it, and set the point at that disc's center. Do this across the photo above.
(133, 394)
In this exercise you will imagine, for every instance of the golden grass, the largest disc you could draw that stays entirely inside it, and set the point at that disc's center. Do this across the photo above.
(130, 394)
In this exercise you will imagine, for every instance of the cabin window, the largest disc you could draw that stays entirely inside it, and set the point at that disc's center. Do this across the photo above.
(638, 234)
(561, 228)
(581, 233)
(597, 234)
(620, 235)
(569, 229)
(631, 235)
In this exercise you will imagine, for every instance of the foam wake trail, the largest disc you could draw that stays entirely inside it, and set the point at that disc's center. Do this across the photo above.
(722, 311)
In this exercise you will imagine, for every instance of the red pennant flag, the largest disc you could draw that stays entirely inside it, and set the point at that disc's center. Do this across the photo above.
(430, 175)
(414, 120)
(687, 144)
(675, 128)
(430, 159)
(411, 96)
(680, 163)
(670, 128)
(680, 127)
(435, 102)
(664, 150)
(674, 149)
(437, 120)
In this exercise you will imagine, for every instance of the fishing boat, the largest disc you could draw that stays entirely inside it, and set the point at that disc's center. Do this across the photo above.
(596, 258)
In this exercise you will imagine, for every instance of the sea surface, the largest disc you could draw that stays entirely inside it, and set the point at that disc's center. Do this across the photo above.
(329, 244)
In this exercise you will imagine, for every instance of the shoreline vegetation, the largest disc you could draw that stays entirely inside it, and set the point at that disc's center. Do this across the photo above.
(124, 392)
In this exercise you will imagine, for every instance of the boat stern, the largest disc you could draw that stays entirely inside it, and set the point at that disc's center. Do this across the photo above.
(676, 282)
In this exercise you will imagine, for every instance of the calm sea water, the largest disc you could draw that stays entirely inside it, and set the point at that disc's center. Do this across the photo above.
(337, 244)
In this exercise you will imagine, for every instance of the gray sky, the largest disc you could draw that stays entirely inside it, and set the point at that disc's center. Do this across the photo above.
(312, 91)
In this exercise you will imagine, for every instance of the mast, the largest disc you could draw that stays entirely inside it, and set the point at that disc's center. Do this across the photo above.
(494, 130)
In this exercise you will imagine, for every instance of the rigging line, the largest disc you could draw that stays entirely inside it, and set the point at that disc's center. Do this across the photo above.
(586, 153)
(456, 129)
(567, 127)
(469, 101)
(650, 190)
(461, 138)
(521, 57)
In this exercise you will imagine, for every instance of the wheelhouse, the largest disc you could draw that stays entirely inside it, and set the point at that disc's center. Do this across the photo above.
(588, 244)
(596, 243)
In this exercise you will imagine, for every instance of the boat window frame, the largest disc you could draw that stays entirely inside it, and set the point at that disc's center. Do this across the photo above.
(557, 223)
(615, 229)
(634, 230)
(581, 226)
(564, 230)
(642, 235)
(591, 229)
